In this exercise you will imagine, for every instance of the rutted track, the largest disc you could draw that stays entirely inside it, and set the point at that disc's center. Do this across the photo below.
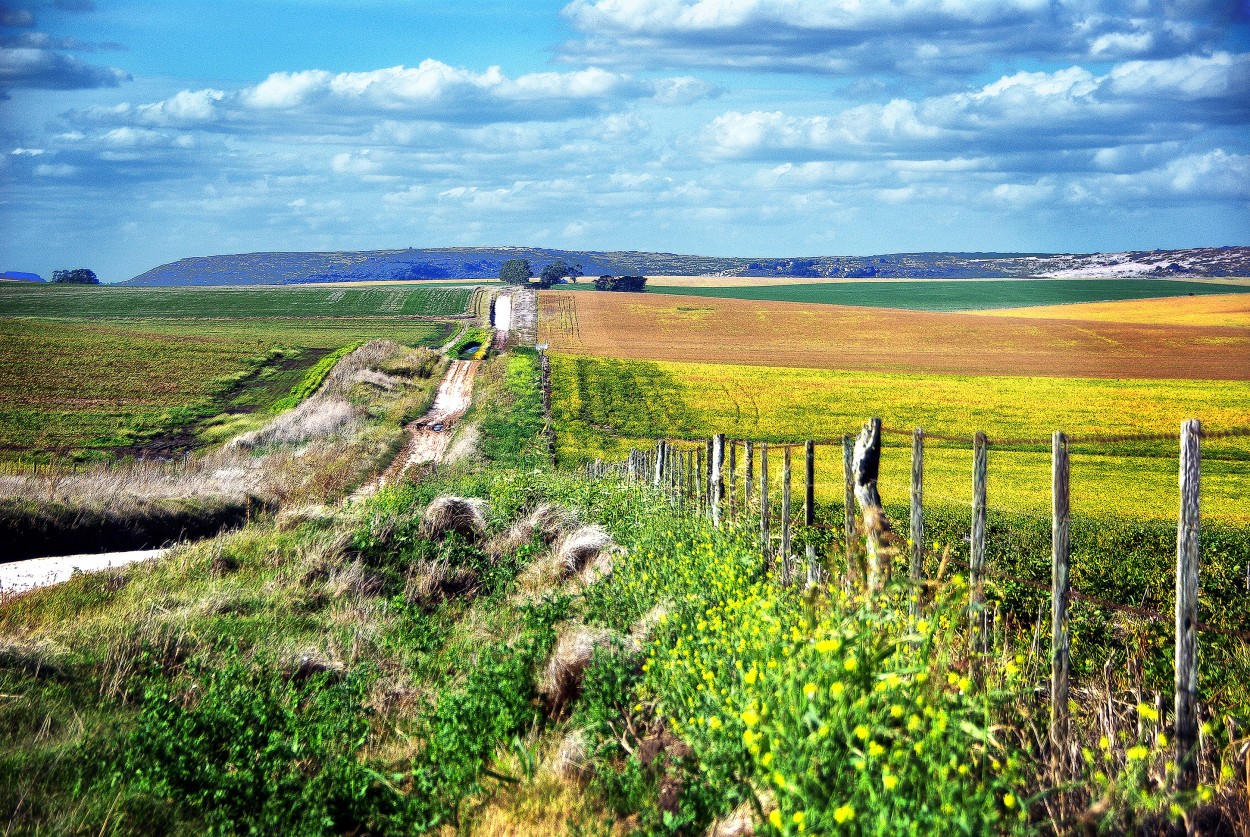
(425, 444)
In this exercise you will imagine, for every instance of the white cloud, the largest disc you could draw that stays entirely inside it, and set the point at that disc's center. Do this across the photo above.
(440, 91)
(1072, 108)
(905, 36)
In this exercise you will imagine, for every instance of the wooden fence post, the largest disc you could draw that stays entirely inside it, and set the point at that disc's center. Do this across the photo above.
(699, 482)
(733, 480)
(916, 570)
(809, 507)
(1187, 543)
(549, 428)
(977, 563)
(1059, 638)
(750, 478)
(659, 463)
(866, 465)
(764, 534)
(787, 560)
(848, 507)
(717, 478)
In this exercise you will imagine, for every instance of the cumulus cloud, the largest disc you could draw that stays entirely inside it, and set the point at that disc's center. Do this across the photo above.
(1135, 102)
(907, 36)
(38, 61)
(47, 69)
(439, 91)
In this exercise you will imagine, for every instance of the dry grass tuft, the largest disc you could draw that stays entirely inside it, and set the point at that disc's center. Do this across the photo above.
(353, 580)
(741, 823)
(582, 547)
(464, 516)
(296, 516)
(560, 681)
(641, 630)
(572, 761)
(547, 522)
(305, 664)
(539, 577)
(432, 582)
(597, 570)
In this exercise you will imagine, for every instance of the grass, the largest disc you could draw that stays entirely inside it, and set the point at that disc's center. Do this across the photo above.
(597, 401)
(939, 295)
(104, 302)
(310, 675)
(89, 390)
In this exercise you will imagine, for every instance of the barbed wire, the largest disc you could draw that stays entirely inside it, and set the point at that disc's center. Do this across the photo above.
(1226, 433)
(1073, 593)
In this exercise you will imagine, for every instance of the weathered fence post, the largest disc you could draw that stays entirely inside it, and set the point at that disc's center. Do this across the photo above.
(1059, 638)
(733, 480)
(787, 560)
(1187, 541)
(750, 478)
(848, 504)
(717, 479)
(764, 534)
(699, 482)
(866, 466)
(809, 508)
(659, 463)
(977, 563)
(916, 569)
(548, 427)
(708, 446)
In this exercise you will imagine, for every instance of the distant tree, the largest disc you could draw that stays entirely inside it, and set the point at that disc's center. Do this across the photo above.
(515, 272)
(629, 284)
(552, 274)
(77, 276)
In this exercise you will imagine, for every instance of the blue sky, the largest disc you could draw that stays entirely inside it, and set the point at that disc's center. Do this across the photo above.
(137, 132)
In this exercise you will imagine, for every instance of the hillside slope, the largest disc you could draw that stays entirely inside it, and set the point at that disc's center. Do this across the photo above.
(484, 262)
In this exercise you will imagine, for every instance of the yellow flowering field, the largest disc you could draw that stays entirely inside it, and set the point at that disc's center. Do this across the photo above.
(597, 402)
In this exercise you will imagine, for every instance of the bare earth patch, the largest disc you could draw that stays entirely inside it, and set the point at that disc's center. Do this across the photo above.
(812, 336)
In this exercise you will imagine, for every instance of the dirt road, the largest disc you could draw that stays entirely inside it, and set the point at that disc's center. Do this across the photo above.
(425, 443)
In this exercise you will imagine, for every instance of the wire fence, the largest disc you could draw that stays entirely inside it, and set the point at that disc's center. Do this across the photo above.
(693, 472)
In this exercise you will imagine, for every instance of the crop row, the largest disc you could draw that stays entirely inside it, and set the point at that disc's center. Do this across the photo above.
(232, 302)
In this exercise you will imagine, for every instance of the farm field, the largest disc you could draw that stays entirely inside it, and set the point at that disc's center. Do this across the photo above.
(717, 281)
(597, 400)
(946, 295)
(650, 326)
(1232, 310)
(91, 389)
(108, 302)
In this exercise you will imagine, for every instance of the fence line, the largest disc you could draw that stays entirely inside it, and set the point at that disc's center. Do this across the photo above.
(700, 482)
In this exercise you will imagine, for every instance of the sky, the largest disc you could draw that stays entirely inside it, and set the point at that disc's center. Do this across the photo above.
(137, 132)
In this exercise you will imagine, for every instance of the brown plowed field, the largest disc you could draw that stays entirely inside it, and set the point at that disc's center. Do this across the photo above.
(654, 327)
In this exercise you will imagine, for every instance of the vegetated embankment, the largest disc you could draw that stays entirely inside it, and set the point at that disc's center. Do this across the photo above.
(312, 453)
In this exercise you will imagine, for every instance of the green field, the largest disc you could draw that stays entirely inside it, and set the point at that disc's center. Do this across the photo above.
(946, 295)
(93, 389)
(598, 401)
(107, 302)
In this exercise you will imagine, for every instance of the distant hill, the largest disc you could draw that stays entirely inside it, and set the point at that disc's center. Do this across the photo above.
(484, 263)
(18, 276)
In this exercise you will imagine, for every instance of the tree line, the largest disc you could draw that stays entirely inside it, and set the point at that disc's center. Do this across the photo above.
(520, 272)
